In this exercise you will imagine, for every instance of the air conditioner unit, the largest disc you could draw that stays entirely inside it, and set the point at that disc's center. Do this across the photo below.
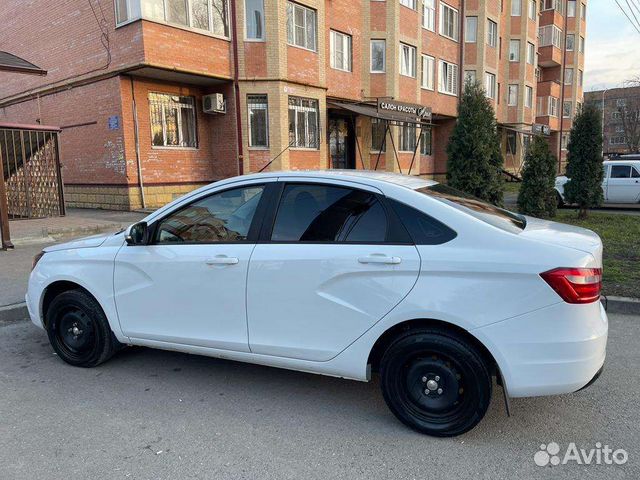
(214, 103)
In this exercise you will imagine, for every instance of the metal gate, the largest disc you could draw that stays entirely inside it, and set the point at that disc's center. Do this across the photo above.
(30, 159)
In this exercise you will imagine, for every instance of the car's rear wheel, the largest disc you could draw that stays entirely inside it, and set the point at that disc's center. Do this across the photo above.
(78, 329)
(435, 382)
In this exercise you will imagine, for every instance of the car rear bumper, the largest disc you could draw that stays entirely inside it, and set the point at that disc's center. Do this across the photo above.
(553, 350)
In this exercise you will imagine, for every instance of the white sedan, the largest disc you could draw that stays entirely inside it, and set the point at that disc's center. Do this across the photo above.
(620, 182)
(342, 273)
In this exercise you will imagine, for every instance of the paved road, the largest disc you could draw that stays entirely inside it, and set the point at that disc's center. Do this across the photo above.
(152, 414)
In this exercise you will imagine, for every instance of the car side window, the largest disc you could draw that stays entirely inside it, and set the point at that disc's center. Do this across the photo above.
(424, 230)
(220, 217)
(322, 213)
(620, 171)
(635, 173)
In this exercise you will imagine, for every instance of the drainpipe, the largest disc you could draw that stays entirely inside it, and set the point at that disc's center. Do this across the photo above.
(562, 74)
(461, 68)
(137, 142)
(236, 86)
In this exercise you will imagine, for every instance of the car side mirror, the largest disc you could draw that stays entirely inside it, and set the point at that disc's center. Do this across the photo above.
(138, 234)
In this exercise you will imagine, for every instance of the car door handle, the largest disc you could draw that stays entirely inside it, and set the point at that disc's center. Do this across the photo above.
(222, 260)
(380, 259)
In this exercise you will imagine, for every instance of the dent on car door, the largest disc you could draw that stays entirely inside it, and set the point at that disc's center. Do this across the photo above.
(333, 264)
(188, 285)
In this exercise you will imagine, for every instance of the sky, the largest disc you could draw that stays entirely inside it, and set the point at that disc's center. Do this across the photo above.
(612, 46)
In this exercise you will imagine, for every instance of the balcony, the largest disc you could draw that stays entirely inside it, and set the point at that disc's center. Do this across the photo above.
(549, 56)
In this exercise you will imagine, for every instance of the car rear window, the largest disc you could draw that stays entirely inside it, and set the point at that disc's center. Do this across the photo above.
(488, 213)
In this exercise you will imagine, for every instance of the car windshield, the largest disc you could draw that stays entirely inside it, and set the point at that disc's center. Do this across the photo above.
(488, 213)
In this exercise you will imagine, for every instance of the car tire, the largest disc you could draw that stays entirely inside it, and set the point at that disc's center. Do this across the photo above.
(435, 382)
(79, 331)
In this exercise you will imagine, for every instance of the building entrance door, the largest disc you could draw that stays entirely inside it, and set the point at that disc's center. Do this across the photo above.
(342, 141)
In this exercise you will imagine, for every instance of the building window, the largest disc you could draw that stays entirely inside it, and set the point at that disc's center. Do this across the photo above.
(564, 141)
(304, 128)
(409, 3)
(512, 99)
(566, 108)
(254, 18)
(549, 35)
(449, 19)
(583, 11)
(581, 45)
(528, 96)
(469, 76)
(556, 5)
(257, 106)
(568, 76)
(448, 78)
(209, 15)
(378, 132)
(553, 107)
(122, 11)
(516, 8)
(580, 78)
(490, 85)
(571, 8)
(173, 120)
(471, 30)
(621, 102)
(616, 115)
(512, 144)
(618, 140)
(531, 53)
(340, 48)
(407, 132)
(429, 14)
(570, 42)
(426, 140)
(428, 72)
(619, 128)
(514, 50)
(301, 26)
(407, 60)
(533, 9)
(492, 33)
(378, 56)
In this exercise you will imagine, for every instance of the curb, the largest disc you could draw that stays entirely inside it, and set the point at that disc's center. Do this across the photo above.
(624, 305)
(14, 313)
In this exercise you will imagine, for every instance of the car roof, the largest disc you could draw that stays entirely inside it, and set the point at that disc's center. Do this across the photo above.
(361, 176)
(621, 161)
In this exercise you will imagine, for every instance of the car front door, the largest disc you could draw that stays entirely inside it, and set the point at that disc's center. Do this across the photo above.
(188, 285)
(623, 185)
(334, 261)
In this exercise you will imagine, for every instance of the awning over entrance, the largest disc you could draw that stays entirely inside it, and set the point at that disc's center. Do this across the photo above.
(374, 111)
(13, 63)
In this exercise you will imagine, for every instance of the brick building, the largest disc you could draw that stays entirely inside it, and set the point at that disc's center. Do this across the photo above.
(620, 109)
(311, 84)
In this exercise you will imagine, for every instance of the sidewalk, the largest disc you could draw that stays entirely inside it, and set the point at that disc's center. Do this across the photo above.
(31, 236)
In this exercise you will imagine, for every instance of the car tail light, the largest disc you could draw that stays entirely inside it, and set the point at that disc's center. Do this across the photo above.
(575, 285)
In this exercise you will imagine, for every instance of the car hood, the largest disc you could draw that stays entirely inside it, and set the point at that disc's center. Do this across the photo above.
(561, 234)
(86, 242)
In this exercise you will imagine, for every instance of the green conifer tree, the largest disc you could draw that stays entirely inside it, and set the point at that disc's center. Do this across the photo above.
(537, 196)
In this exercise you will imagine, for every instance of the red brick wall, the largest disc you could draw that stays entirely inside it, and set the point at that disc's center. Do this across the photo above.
(302, 65)
(340, 16)
(306, 159)
(255, 59)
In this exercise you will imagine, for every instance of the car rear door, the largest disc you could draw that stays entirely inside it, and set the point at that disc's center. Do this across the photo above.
(333, 260)
(622, 186)
(188, 285)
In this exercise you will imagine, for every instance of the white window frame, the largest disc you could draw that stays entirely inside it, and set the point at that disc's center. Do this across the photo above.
(516, 8)
(492, 33)
(583, 11)
(564, 104)
(448, 78)
(344, 40)
(568, 76)
(292, 34)
(428, 72)
(384, 55)
(581, 44)
(570, 45)
(262, 26)
(512, 95)
(429, 15)
(164, 101)
(189, 25)
(408, 128)
(490, 85)
(470, 75)
(571, 8)
(580, 77)
(531, 53)
(471, 29)
(116, 9)
(455, 24)
(265, 107)
(305, 110)
(413, 52)
(549, 35)
(528, 96)
(553, 107)
(533, 9)
(412, 4)
(514, 55)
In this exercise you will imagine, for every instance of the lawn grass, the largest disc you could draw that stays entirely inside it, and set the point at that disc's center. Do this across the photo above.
(620, 235)
(512, 187)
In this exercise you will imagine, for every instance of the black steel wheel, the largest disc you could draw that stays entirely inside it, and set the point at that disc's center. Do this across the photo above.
(78, 329)
(435, 383)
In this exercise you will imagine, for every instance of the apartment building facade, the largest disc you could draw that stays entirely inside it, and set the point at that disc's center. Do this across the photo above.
(620, 108)
(369, 84)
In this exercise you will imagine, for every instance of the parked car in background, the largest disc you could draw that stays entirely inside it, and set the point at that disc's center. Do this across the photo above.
(621, 183)
(342, 273)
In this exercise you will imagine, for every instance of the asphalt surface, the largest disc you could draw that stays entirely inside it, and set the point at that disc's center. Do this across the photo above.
(152, 414)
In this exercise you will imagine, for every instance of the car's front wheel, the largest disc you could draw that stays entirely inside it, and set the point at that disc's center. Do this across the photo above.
(78, 329)
(435, 382)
